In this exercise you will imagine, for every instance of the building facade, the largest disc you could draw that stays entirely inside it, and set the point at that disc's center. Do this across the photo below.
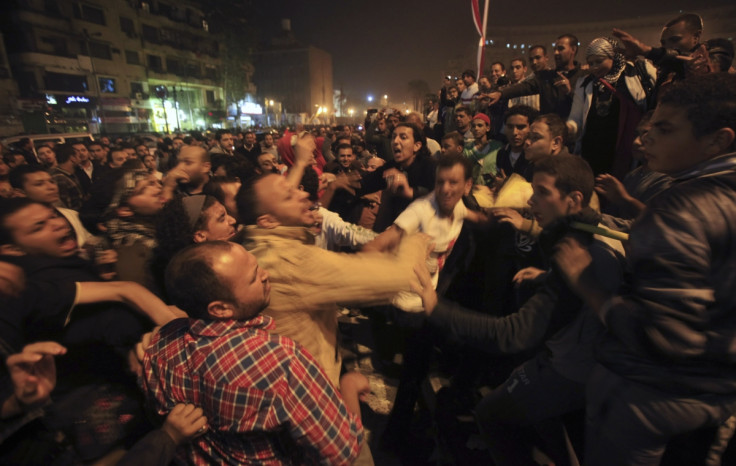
(114, 66)
(297, 77)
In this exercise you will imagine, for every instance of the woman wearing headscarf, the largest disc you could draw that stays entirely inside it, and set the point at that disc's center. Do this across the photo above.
(607, 106)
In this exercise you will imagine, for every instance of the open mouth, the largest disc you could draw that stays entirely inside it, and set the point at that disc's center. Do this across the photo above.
(68, 242)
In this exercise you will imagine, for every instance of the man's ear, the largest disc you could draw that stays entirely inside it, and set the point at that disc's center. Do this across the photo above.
(575, 200)
(11, 250)
(468, 187)
(557, 144)
(720, 141)
(220, 310)
(124, 212)
(267, 221)
(200, 236)
(208, 165)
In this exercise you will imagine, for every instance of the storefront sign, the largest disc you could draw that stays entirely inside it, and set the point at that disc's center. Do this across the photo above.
(77, 99)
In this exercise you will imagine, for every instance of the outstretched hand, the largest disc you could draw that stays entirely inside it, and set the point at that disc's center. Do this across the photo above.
(633, 47)
(33, 372)
(422, 285)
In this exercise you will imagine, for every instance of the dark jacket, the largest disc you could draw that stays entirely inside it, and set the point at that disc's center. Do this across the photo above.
(420, 175)
(551, 98)
(676, 329)
(553, 315)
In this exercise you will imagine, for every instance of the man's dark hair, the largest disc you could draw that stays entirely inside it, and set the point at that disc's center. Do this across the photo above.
(456, 137)
(249, 208)
(503, 67)
(462, 108)
(94, 143)
(7, 208)
(221, 132)
(708, 100)
(17, 175)
(555, 124)
(530, 113)
(521, 59)
(721, 51)
(571, 173)
(343, 146)
(192, 284)
(310, 183)
(574, 42)
(539, 46)
(693, 22)
(64, 152)
(450, 160)
(469, 73)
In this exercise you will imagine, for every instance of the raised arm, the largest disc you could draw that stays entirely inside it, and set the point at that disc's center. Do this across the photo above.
(130, 293)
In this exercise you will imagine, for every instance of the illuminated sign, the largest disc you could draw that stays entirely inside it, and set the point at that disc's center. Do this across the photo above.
(77, 99)
(251, 108)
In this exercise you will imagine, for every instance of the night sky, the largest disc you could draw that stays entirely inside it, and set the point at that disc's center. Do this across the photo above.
(378, 46)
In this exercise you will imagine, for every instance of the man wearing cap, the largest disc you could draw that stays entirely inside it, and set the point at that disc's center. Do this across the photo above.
(482, 151)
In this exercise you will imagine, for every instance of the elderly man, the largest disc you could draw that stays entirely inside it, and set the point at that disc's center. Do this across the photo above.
(309, 282)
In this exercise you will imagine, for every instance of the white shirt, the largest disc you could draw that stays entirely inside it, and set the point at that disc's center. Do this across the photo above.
(423, 215)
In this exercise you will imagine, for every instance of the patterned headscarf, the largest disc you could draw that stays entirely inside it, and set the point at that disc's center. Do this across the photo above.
(606, 47)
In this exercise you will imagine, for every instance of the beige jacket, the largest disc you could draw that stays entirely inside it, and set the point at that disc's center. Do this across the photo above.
(308, 284)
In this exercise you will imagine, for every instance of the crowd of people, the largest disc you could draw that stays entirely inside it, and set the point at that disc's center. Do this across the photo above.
(556, 241)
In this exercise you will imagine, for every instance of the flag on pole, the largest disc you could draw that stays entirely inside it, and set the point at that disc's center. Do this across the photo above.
(480, 25)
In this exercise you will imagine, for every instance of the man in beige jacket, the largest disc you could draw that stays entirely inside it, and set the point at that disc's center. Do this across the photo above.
(308, 283)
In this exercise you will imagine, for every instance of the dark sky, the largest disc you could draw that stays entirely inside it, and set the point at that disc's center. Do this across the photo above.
(378, 46)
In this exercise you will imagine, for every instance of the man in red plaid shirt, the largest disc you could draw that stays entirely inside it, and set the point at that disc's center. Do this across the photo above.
(266, 399)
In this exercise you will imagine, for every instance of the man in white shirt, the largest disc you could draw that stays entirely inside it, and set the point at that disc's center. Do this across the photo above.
(439, 214)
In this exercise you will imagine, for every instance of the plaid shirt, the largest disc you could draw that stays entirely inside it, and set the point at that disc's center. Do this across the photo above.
(265, 398)
(70, 191)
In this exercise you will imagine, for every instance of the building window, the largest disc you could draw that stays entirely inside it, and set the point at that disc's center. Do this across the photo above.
(51, 7)
(107, 85)
(150, 33)
(89, 13)
(65, 82)
(210, 72)
(136, 88)
(127, 26)
(54, 45)
(154, 63)
(193, 70)
(132, 57)
(165, 10)
(173, 66)
(210, 96)
(99, 50)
